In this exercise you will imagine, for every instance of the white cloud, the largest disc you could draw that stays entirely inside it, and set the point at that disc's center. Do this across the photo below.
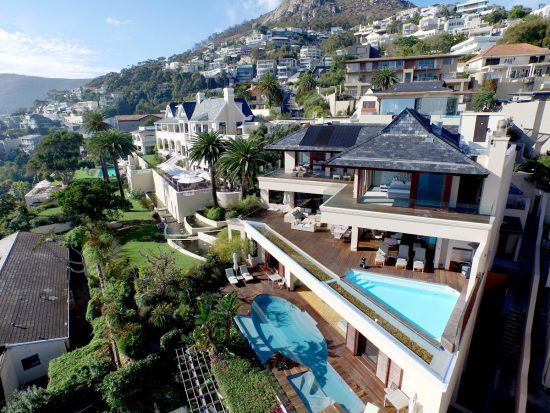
(239, 11)
(116, 22)
(261, 6)
(534, 4)
(30, 54)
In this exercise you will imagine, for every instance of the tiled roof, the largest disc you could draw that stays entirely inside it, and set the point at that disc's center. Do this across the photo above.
(130, 118)
(512, 50)
(208, 109)
(33, 289)
(326, 138)
(409, 143)
(419, 86)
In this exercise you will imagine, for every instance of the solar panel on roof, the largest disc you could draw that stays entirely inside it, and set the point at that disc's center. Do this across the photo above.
(331, 136)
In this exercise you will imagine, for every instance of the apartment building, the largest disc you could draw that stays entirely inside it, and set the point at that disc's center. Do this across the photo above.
(28, 142)
(359, 72)
(286, 67)
(265, 66)
(472, 6)
(361, 202)
(511, 61)
(244, 73)
(312, 52)
(474, 44)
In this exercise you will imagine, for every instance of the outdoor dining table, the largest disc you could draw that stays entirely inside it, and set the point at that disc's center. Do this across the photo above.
(274, 278)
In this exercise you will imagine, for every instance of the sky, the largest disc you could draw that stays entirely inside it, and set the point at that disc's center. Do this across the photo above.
(87, 38)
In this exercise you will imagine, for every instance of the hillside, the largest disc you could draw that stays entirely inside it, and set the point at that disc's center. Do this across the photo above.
(18, 91)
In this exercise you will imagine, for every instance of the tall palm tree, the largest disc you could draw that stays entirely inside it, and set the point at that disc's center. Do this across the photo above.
(306, 82)
(269, 87)
(208, 147)
(227, 307)
(116, 144)
(242, 160)
(95, 122)
(385, 78)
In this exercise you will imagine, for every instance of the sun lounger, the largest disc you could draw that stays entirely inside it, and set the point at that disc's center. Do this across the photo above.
(381, 254)
(245, 274)
(403, 257)
(419, 259)
(371, 408)
(230, 274)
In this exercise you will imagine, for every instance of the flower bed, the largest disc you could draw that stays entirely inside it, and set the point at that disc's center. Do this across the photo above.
(390, 328)
(245, 388)
(296, 256)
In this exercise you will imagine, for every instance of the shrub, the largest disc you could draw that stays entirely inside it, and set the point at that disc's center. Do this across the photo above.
(76, 375)
(224, 248)
(216, 214)
(143, 386)
(94, 305)
(231, 213)
(171, 340)
(30, 400)
(245, 388)
(250, 204)
(131, 341)
(136, 194)
(75, 237)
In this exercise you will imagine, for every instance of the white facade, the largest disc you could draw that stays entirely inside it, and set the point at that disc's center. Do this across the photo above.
(265, 66)
(474, 44)
(542, 12)
(472, 6)
(312, 52)
(144, 139)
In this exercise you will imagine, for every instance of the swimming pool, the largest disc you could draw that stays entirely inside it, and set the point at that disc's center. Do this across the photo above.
(277, 325)
(427, 306)
(110, 171)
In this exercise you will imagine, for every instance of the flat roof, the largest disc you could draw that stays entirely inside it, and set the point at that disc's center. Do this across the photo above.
(33, 289)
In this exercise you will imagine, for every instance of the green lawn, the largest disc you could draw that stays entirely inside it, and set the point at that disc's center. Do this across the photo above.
(50, 212)
(137, 213)
(85, 174)
(140, 240)
(151, 159)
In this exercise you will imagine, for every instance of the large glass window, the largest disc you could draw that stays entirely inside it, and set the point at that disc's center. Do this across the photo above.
(395, 106)
(303, 158)
(425, 64)
(430, 190)
(392, 64)
(437, 106)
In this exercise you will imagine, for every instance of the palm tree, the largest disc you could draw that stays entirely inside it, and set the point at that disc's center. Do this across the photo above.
(95, 122)
(306, 82)
(207, 332)
(116, 144)
(208, 147)
(385, 78)
(227, 307)
(269, 87)
(242, 159)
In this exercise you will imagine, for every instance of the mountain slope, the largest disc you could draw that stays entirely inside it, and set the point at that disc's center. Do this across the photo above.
(18, 91)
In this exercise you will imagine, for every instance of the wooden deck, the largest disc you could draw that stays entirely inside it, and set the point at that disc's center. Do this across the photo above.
(360, 378)
(338, 257)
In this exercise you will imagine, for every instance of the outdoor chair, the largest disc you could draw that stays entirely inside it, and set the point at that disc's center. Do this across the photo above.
(245, 274)
(403, 257)
(419, 259)
(230, 274)
(381, 254)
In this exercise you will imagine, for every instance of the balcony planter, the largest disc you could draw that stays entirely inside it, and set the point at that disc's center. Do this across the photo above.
(210, 222)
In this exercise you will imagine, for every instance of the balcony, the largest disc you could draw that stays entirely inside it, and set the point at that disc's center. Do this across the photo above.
(344, 199)
(310, 175)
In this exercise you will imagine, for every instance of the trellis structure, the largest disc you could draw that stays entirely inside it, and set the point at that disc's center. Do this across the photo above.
(200, 385)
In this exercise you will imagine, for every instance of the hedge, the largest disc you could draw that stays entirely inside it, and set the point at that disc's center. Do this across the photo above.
(245, 388)
(386, 325)
(296, 256)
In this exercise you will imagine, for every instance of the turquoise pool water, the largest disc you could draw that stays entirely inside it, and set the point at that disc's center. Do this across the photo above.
(427, 306)
(110, 171)
(277, 325)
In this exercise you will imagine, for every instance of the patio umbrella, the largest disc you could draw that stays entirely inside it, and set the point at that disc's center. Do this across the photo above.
(187, 178)
(235, 261)
(204, 175)
(412, 404)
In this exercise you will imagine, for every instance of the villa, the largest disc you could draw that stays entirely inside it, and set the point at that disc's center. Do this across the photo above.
(380, 238)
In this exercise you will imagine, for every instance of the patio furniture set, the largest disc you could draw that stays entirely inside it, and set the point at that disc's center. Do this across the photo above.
(302, 219)
(242, 275)
(393, 248)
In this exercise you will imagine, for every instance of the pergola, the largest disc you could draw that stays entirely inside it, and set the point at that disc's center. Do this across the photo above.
(200, 386)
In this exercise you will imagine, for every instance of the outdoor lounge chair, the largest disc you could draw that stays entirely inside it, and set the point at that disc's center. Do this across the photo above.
(371, 408)
(381, 254)
(419, 259)
(403, 257)
(245, 274)
(230, 274)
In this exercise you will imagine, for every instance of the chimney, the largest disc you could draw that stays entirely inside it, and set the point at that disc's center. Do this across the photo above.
(228, 94)
(200, 97)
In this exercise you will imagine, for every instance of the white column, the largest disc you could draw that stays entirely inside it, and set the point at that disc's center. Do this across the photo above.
(454, 191)
(288, 198)
(437, 253)
(354, 238)
(264, 196)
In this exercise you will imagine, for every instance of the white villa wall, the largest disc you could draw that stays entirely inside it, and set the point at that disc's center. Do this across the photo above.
(11, 370)
(140, 179)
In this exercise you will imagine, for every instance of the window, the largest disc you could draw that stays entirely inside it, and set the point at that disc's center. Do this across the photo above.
(352, 67)
(425, 64)
(392, 64)
(30, 362)
(492, 61)
(508, 60)
(222, 129)
(447, 61)
(395, 106)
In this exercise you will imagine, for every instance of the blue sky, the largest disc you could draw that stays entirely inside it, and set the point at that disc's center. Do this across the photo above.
(86, 38)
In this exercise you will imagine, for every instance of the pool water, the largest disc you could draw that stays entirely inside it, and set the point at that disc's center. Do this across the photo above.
(427, 306)
(110, 171)
(277, 325)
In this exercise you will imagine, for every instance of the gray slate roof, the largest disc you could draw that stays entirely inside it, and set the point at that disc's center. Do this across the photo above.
(419, 86)
(33, 289)
(326, 138)
(409, 143)
(208, 109)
